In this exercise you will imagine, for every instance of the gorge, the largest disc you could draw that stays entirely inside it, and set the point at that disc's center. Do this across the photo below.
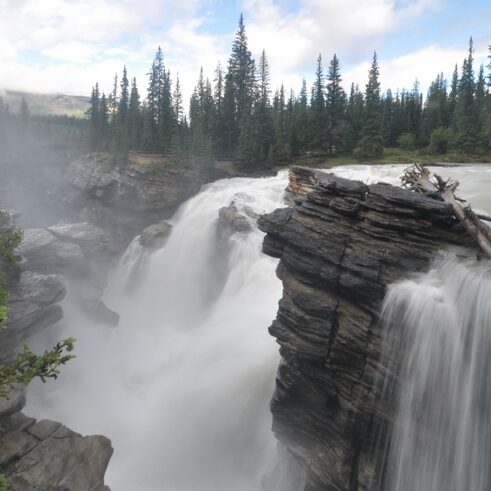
(182, 385)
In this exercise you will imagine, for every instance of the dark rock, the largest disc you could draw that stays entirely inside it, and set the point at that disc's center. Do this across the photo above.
(340, 246)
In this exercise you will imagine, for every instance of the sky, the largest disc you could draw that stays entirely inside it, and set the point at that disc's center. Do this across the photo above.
(65, 46)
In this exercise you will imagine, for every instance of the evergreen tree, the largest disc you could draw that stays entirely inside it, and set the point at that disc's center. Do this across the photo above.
(219, 122)
(336, 107)
(452, 98)
(281, 149)
(134, 117)
(240, 84)
(93, 114)
(103, 123)
(263, 122)
(300, 123)
(482, 112)
(354, 118)
(388, 119)
(466, 120)
(371, 143)
(318, 120)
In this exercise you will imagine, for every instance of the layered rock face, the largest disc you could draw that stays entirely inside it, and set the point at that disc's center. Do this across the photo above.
(125, 200)
(340, 245)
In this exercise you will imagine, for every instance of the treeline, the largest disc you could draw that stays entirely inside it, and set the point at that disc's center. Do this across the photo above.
(236, 116)
(18, 129)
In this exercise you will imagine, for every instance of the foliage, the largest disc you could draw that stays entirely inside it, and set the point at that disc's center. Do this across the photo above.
(8, 242)
(238, 116)
(407, 141)
(4, 486)
(371, 143)
(439, 141)
(27, 365)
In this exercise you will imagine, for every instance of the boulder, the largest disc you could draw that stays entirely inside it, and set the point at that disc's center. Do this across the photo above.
(154, 236)
(44, 253)
(47, 455)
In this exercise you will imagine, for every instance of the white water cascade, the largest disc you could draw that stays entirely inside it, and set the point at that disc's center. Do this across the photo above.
(441, 439)
(439, 341)
(182, 386)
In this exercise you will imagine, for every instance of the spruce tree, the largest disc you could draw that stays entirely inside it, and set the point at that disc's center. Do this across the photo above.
(134, 117)
(371, 143)
(466, 120)
(281, 149)
(93, 114)
(318, 120)
(336, 107)
(301, 122)
(263, 121)
(240, 86)
(219, 121)
(354, 118)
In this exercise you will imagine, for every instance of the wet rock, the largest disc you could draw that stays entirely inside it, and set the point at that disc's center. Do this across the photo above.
(14, 402)
(44, 253)
(123, 200)
(91, 239)
(154, 236)
(340, 246)
(32, 307)
(47, 455)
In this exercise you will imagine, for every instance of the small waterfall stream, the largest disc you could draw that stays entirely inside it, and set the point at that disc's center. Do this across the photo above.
(442, 432)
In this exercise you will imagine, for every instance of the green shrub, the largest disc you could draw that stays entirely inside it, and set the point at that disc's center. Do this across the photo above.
(407, 141)
(439, 141)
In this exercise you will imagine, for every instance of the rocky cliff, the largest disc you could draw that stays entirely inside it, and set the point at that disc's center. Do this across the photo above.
(45, 455)
(123, 200)
(340, 245)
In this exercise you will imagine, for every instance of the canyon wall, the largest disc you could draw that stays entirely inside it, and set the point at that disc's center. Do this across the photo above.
(340, 245)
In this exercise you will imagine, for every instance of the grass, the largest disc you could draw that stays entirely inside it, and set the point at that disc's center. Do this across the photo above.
(394, 156)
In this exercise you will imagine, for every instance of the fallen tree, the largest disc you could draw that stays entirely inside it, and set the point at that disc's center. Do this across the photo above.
(419, 179)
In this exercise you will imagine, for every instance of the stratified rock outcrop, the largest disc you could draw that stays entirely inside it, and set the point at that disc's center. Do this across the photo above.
(124, 200)
(340, 246)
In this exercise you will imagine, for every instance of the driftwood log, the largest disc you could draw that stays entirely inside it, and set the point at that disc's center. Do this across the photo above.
(419, 178)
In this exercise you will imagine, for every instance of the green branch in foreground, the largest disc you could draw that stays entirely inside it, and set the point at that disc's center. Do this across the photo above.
(27, 366)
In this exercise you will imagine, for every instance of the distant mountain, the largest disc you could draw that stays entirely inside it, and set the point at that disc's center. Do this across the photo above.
(59, 104)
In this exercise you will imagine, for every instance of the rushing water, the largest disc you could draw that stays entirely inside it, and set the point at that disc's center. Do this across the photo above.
(442, 434)
(439, 338)
(182, 386)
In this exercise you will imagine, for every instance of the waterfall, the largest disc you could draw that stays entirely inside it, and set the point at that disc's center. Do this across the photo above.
(439, 337)
(182, 386)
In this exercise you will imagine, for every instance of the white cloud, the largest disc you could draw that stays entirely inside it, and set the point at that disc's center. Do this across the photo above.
(68, 45)
(424, 64)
